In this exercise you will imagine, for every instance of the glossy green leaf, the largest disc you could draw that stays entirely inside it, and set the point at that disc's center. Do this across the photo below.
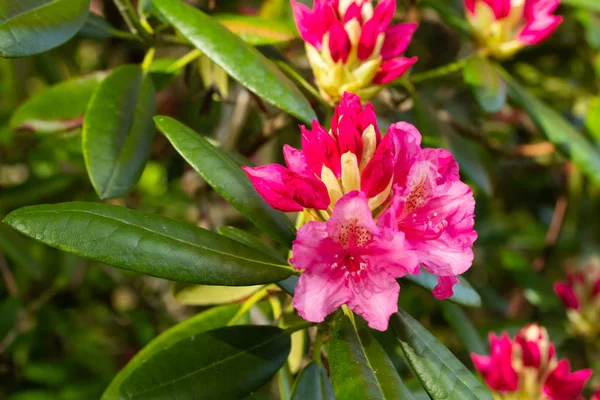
(243, 63)
(464, 294)
(360, 368)
(146, 243)
(466, 332)
(256, 30)
(58, 108)
(438, 370)
(225, 363)
(118, 131)
(16, 249)
(486, 84)
(33, 26)
(213, 318)
(203, 295)
(559, 131)
(312, 383)
(226, 178)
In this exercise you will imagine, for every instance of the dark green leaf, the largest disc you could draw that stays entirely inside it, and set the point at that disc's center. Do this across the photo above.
(33, 26)
(96, 27)
(14, 246)
(243, 63)
(225, 363)
(360, 368)
(466, 332)
(564, 136)
(162, 72)
(146, 243)
(464, 294)
(59, 108)
(312, 383)
(210, 319)
(203, 295)
(227, 178)
(438, 370)
(256, 30)
(487, 85)
(250, 240)
(118, 131)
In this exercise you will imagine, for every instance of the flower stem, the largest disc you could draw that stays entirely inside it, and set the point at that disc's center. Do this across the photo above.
(441, 71)
(185, 60)
(131, 19)
(317, 347)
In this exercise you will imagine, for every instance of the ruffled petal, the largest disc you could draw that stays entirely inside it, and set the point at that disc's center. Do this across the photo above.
(444, 288)
(295, 160)
(319, 294)
(310, 250)
(397, 39)
(351, 222)
(376, 299)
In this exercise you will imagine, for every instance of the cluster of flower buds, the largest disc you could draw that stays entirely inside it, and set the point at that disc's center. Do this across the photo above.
(580, 294)
(351, 45)
(503, 27)
(528, 368)
(375, 208)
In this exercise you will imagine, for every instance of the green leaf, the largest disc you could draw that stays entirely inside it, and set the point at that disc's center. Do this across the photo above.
(464, 294)
(146, 243)
(226, 178)
(589, 4)
(33, 26)
(202, 295)
(256, 30)
(162, 72)
(565, 137)
(313, 384)
(58, 108)
(225, 363)
(205, 321)
(34, 191)
(15, 247)
(96, 27)
(488, 87)
(360, 368)
(592, 119)
(466, 332)
(118, 131)
(438, 370)
(242, 62)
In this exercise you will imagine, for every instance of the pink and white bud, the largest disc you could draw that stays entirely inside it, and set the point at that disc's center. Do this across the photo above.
(503, 27)
(351, 45)
(580, 295)
(527, 368)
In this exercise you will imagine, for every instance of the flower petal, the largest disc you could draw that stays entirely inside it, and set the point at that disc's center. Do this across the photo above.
(295, 160)
(351, 216)
(393, 69)
(567, 295)
(539, 29)
(564, 385)
(397, 39)
(309, 250)
(380, 169)
(319, 294)
(376, 299)
(339, 42)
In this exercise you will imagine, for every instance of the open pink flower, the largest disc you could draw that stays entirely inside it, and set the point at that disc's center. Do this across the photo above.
(528, 368)
(351, 45)
(503, 27)
(350, 260)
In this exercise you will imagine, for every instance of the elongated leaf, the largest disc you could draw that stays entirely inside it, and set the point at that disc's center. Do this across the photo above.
(459, 321)
(59, 108)
(118, 131)
(33, 26)
(256, 30)
(243, 63)
(227, 178)
(360, 368)
(96, 27)
(592, 120)
(565, 137)
(440, 373)
(210, 319)
(146, 243)
(225, 363)
(487, 86)
(203, 295)
(313, 384)
(14, 246)
(464, 294)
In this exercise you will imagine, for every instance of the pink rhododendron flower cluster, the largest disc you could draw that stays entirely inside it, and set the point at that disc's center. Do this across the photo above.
(503, 27)
(581, 296)
(528, 368)
(351, 45)
(375, 209)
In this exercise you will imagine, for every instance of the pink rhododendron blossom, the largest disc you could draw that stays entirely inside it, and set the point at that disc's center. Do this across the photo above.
(527, 368)
(580, 294)
(351, 45)
(503, 27)
(350, 260)
(406, 189)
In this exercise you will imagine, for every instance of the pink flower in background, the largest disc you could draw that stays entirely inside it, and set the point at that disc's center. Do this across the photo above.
(527, 368)
(503, 27)
(403, 188)
(350, 260)
(580, 294)
(351, 45)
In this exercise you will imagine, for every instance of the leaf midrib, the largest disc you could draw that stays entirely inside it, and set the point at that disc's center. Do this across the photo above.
(153, 232)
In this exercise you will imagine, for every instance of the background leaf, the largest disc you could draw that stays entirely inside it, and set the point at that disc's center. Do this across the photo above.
(486, 84)
(464, 294)
(466, 332)
(312, 383)
(118, 131)
(256, 30)
(146, 243)
(203, 295)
